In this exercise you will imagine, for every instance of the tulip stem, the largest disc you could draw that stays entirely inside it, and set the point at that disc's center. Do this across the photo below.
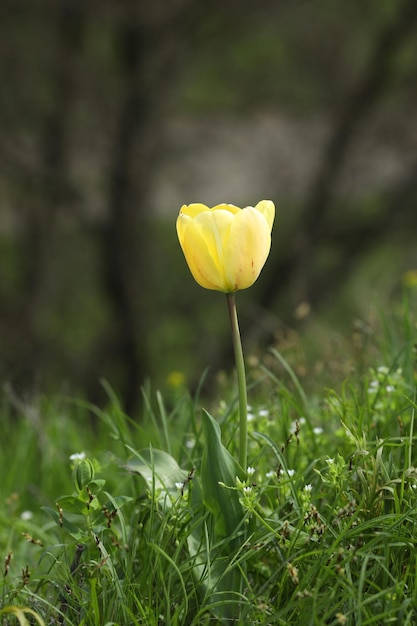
(241, 381)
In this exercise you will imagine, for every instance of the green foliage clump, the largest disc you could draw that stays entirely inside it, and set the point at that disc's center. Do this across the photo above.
(106, 520)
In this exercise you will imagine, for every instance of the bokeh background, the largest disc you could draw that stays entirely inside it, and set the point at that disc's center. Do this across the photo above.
(114, 113)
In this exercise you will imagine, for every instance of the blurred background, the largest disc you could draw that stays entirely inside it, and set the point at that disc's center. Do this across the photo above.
(114, 113)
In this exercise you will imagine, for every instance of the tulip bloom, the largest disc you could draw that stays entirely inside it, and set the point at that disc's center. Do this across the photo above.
(226, 247)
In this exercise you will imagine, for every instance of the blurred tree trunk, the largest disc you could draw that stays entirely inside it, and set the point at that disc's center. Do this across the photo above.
(125, 234)
(315, 226)
(359, 104)
(49, 189)
(147, 51)
(150, 44)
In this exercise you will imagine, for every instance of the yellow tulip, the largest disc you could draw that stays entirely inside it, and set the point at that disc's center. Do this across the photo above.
(226, 247)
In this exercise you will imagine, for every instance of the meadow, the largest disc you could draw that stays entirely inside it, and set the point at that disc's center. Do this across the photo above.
(107, 520)
(183, 503)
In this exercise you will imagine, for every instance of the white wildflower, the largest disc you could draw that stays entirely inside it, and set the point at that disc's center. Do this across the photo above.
(77, 456)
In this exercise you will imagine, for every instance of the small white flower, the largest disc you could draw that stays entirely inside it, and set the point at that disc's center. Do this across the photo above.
(251, 471)
(390, 388)
(247, 489)
(77, 456)
(374, 383)
(26, 516)
(179, 485)
(190, 443)
(329, 461)
(318, 430)
(270, 474)
(308, 487)
(382, 369)
(250, 417)
(290, 472)
(263, 412)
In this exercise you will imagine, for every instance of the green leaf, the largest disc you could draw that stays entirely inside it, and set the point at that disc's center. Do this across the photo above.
(82, 503)
(117, 501)
(218, 476)
(160, 471)
(71, 529)
(83, 474)
(72, 504)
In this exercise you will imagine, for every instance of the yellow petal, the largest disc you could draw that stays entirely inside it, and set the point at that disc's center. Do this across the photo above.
(267, 208)
(193, 209)
(247, 249)
(197, 253)
(227, 207)
(214, 227)
(225, 246)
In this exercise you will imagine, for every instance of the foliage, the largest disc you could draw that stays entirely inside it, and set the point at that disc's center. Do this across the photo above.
(151, 522)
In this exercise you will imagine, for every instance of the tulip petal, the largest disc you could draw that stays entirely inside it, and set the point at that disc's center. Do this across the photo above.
(214, 229)
(225, 246)
(267, 208)
(193, 209)
(247, 249)
(197, 254)
(227, 207)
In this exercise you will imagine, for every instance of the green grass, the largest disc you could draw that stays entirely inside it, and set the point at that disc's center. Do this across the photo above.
(323, 529)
